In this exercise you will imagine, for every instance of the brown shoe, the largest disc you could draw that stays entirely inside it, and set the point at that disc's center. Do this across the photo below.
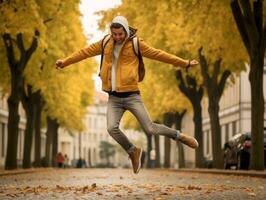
(135, 158)
(188, 140)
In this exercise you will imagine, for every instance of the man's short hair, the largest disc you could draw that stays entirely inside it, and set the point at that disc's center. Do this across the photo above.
(117, 25)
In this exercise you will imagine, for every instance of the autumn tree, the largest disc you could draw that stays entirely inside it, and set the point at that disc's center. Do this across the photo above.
(194, 92)
(250, 18)
(24, 33)
(21, 36)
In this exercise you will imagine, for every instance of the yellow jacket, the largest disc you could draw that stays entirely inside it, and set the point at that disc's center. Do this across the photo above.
(127, 64)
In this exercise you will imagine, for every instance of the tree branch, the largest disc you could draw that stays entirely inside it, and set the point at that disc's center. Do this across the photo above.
(20, 43)
(204, 69)
(216, 70)
(222, 82)
(181, 84)
(191, 81)
(250, 21)
(239, 19)
(47, 20)
(32, 48)
(9, 51)
(24, 96)
(258, 15)
(180, 115)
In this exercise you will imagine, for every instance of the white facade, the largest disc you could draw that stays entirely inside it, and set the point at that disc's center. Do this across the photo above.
(22, 127)
(235, 111)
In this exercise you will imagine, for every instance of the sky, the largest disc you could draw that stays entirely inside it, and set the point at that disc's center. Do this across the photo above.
(89, 22)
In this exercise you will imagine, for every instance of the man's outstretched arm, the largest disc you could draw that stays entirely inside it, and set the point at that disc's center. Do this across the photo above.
(157, 54)
(89, 51)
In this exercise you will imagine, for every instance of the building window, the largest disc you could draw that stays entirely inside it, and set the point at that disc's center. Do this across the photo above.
(90, 123)
(95, 123)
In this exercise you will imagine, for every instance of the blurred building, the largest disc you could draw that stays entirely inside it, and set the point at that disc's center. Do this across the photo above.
(21, 135)
(3, 131)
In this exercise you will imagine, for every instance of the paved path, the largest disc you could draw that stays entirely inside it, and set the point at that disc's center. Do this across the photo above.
(123, 184)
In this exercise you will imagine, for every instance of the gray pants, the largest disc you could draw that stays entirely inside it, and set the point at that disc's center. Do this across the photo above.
(115, 110)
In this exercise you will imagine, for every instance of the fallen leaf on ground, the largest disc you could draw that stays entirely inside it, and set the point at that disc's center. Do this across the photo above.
(191, 187)
(252, 194)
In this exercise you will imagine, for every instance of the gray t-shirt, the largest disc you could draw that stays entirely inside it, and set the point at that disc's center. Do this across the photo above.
(117, 48)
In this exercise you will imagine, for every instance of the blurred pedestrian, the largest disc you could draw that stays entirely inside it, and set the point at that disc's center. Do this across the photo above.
(60, 159)
(121, 69)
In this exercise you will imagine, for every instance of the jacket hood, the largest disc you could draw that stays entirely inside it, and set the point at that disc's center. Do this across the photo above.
(123, 21)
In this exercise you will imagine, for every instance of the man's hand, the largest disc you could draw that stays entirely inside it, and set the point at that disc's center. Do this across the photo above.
(191, 63)
(59, 64)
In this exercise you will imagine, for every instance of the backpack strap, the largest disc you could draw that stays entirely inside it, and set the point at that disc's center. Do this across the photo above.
(135, 42)
(141, 68)
(105, 40)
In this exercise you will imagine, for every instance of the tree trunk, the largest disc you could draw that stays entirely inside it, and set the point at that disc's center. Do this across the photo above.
(55, 141)
(149, 148)
(214, 82)
(16, 70)
(28, 104)
(168, 121)
(13, 121)
(181, 154)
(252, 28)
(167, 152)
(37, 128)
(194, 92)
(216, 133)
(157, 150)
(197, 118)
(257, 112)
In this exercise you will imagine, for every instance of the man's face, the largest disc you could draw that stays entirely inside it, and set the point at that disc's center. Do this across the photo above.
(118, 34)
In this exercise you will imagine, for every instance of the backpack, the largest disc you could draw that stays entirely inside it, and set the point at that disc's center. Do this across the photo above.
(135, 44)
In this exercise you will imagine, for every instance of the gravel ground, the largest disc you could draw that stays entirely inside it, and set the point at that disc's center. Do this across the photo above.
(158, 184)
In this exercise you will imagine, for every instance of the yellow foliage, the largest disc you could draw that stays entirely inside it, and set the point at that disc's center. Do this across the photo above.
(67, 92)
